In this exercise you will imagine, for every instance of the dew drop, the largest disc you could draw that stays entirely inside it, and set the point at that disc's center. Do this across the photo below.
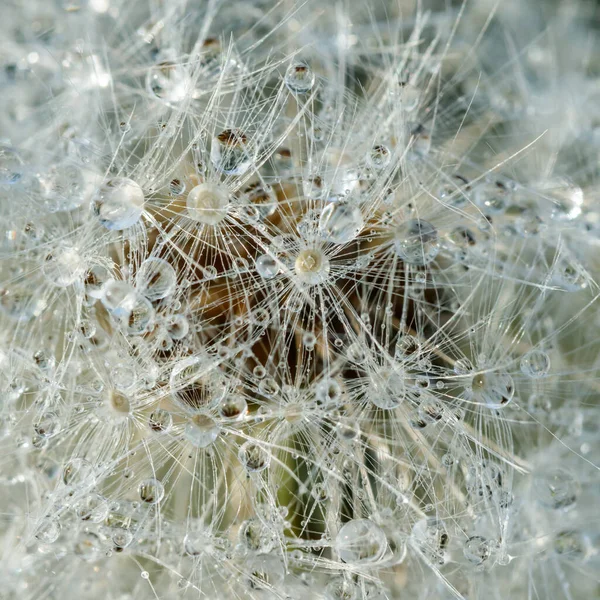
(119, 204)
(360, 542)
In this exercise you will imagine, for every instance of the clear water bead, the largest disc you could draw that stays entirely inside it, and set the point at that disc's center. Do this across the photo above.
(119, 204)
(230, 152)
(169, 81)
(119, 298)
(495, 389)
(202, 430)
(341, 222)
(535, 364)
(555, 489)
(63, 266)
(476, 550)
(151, 491)
(208, 203)
(253, 457)
(299, 78)
(361, 542)
(266, 266)
(48, 530)
(379, 157)
(416, 242)
(156, 279)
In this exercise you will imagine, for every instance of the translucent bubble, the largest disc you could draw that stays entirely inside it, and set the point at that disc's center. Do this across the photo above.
(160, 420)
(431, 537)
(341, 222)
(47, 425)
(122, 538)
(253, 457)
(255, 537)
(476, 550)
(230, 152)
(177, 327)
(202, 430)
(495, 389)
(555, 489)
(387, 388)
(379, 157)
(299, 78)
(77, 472)
(94, 281)
(48, 530)
(208, 203)
(91, 507)
(266, 266)
(311, 266)
(360, 542)
(262, 197)
(168, 81)
(62, 187)
(141, 317)
(233, 408)
(151, 491)
(328, 392)
(119, 204)
(536, 363)
(119, 298)
(63, 266)
(156, 279)
(416, 242)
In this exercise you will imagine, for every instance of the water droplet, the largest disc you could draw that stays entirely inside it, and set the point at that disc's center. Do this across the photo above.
(266, 266)
(230, 152)
(416, 242)
(379, 157)
(495, 389)
(476, 550)
(328, 392)
(360, 542)
(151, 491)
(156, 279)
(78, 472)
(141, 317)
(536, 363)
(299, 78)
(47, 425)
(555, 489)
(119, 298)
(253, 457)
(208, 203)
(233, 408)
(48, 530)
(160, 420)
(177, 327)
(202, 430)
(119, 204)
(169, 81)
(341, 222)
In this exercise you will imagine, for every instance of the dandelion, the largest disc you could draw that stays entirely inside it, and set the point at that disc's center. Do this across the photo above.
(298, 300)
